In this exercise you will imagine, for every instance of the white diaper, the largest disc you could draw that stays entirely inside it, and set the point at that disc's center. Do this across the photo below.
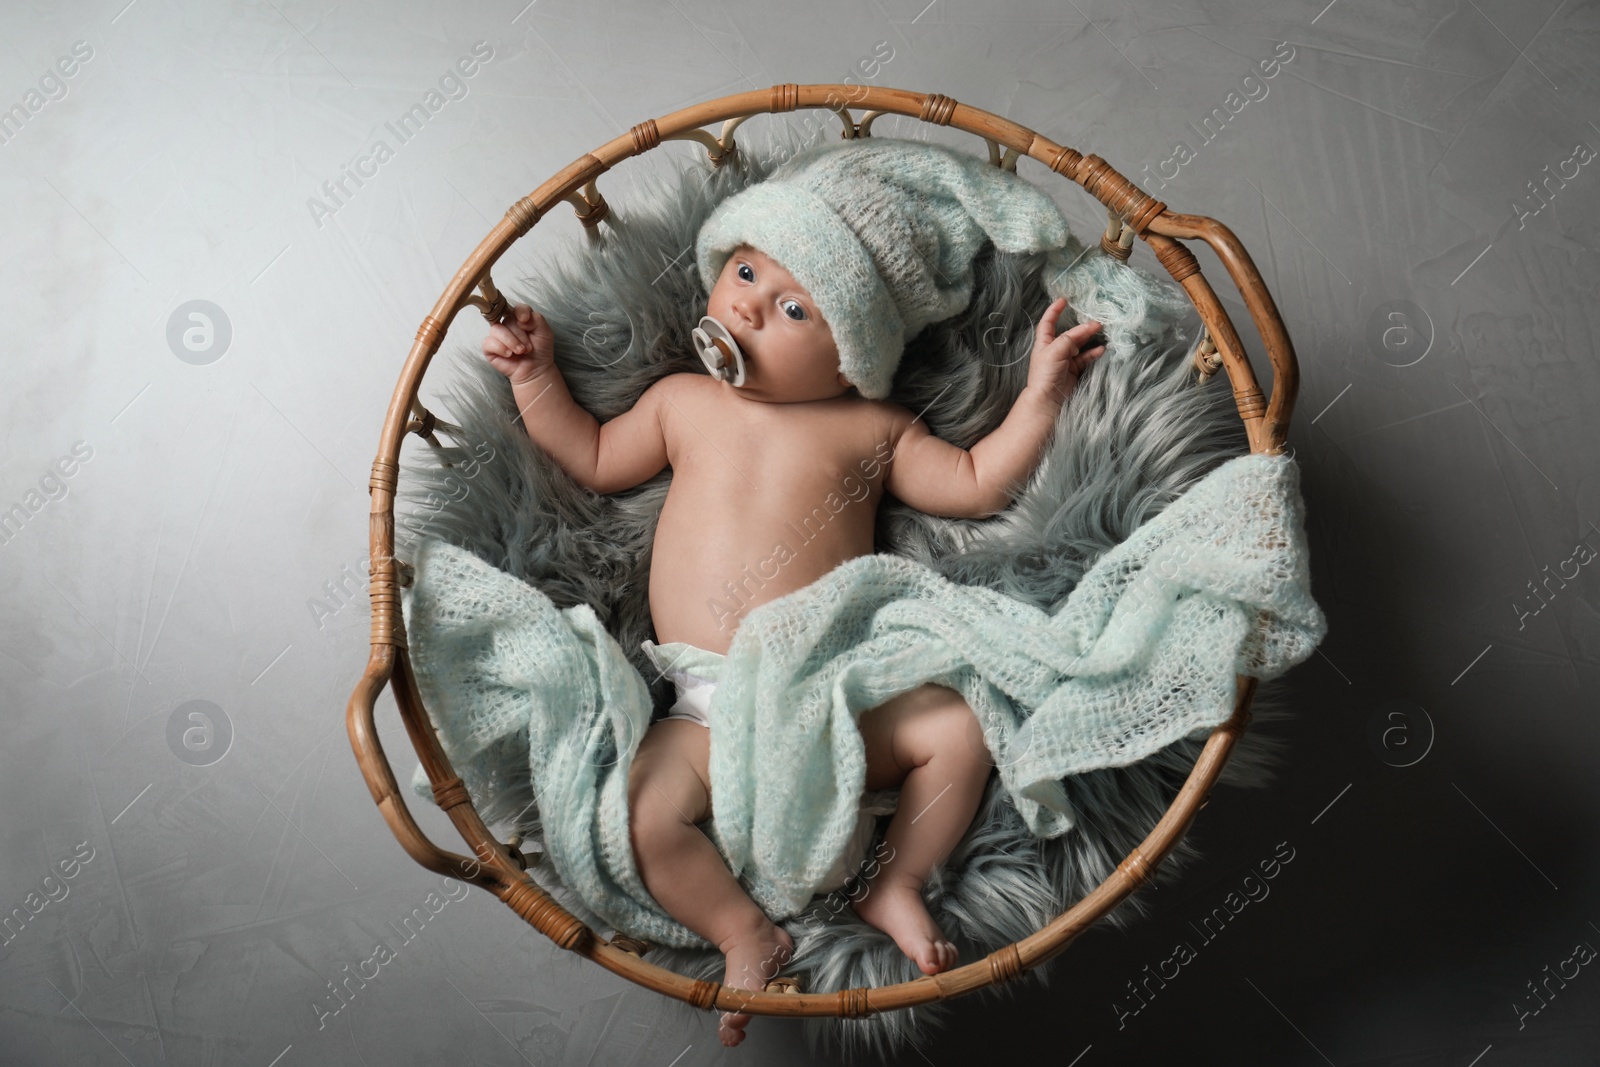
(694, 692)
(694, 698)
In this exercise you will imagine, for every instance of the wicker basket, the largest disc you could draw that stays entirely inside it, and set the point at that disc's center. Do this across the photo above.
(500, 867)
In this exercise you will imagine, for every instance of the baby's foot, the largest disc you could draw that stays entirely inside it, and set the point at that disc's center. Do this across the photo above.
(896, 908)
(753, 961)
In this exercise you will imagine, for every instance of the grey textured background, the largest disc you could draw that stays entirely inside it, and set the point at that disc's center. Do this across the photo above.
(1437, 805)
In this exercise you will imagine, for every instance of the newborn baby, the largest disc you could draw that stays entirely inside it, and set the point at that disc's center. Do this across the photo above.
(749, 464)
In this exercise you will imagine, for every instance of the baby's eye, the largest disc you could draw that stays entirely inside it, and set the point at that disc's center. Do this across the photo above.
(798, 313)
(740, 270)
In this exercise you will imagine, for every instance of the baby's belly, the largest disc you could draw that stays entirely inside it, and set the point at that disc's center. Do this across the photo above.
(714, 563)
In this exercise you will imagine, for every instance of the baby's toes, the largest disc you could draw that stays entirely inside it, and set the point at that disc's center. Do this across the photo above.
(731, 1030)
(939, 956)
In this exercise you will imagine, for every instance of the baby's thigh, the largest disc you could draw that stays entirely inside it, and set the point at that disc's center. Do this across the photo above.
(908, 730)
(670, 776)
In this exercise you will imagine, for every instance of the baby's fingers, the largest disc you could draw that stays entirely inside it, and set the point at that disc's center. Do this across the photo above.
(517, 325)
(505, 341)
(1083, 331)
(1046, 330)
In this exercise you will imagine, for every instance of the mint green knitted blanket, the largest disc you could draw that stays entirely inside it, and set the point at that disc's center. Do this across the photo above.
(1142, 652)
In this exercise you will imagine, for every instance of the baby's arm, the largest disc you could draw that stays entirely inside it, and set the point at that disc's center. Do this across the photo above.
(938, 478)
(603, 458)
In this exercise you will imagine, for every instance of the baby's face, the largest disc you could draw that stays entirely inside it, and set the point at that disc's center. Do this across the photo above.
(789, 351)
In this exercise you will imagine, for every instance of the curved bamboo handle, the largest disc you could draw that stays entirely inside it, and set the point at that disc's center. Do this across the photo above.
(1274, 429)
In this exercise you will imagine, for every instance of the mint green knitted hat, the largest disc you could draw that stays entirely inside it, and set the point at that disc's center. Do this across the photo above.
(881, 232)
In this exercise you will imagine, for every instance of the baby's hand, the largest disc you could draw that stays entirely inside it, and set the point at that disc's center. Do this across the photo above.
(522, 347)
(1056, 362)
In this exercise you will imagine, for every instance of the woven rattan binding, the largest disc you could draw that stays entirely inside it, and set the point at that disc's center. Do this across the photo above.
(498, 867)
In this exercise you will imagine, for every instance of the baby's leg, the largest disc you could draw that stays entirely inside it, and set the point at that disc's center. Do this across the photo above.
(927, 741)
(669, 792)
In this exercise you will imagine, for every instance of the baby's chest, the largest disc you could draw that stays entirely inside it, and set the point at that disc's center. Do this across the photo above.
(804, 450)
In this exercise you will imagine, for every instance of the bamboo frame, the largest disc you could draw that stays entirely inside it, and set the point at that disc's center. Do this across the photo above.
(500, 868)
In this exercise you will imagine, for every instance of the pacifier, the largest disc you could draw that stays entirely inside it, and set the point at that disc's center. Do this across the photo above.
(719, 351)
